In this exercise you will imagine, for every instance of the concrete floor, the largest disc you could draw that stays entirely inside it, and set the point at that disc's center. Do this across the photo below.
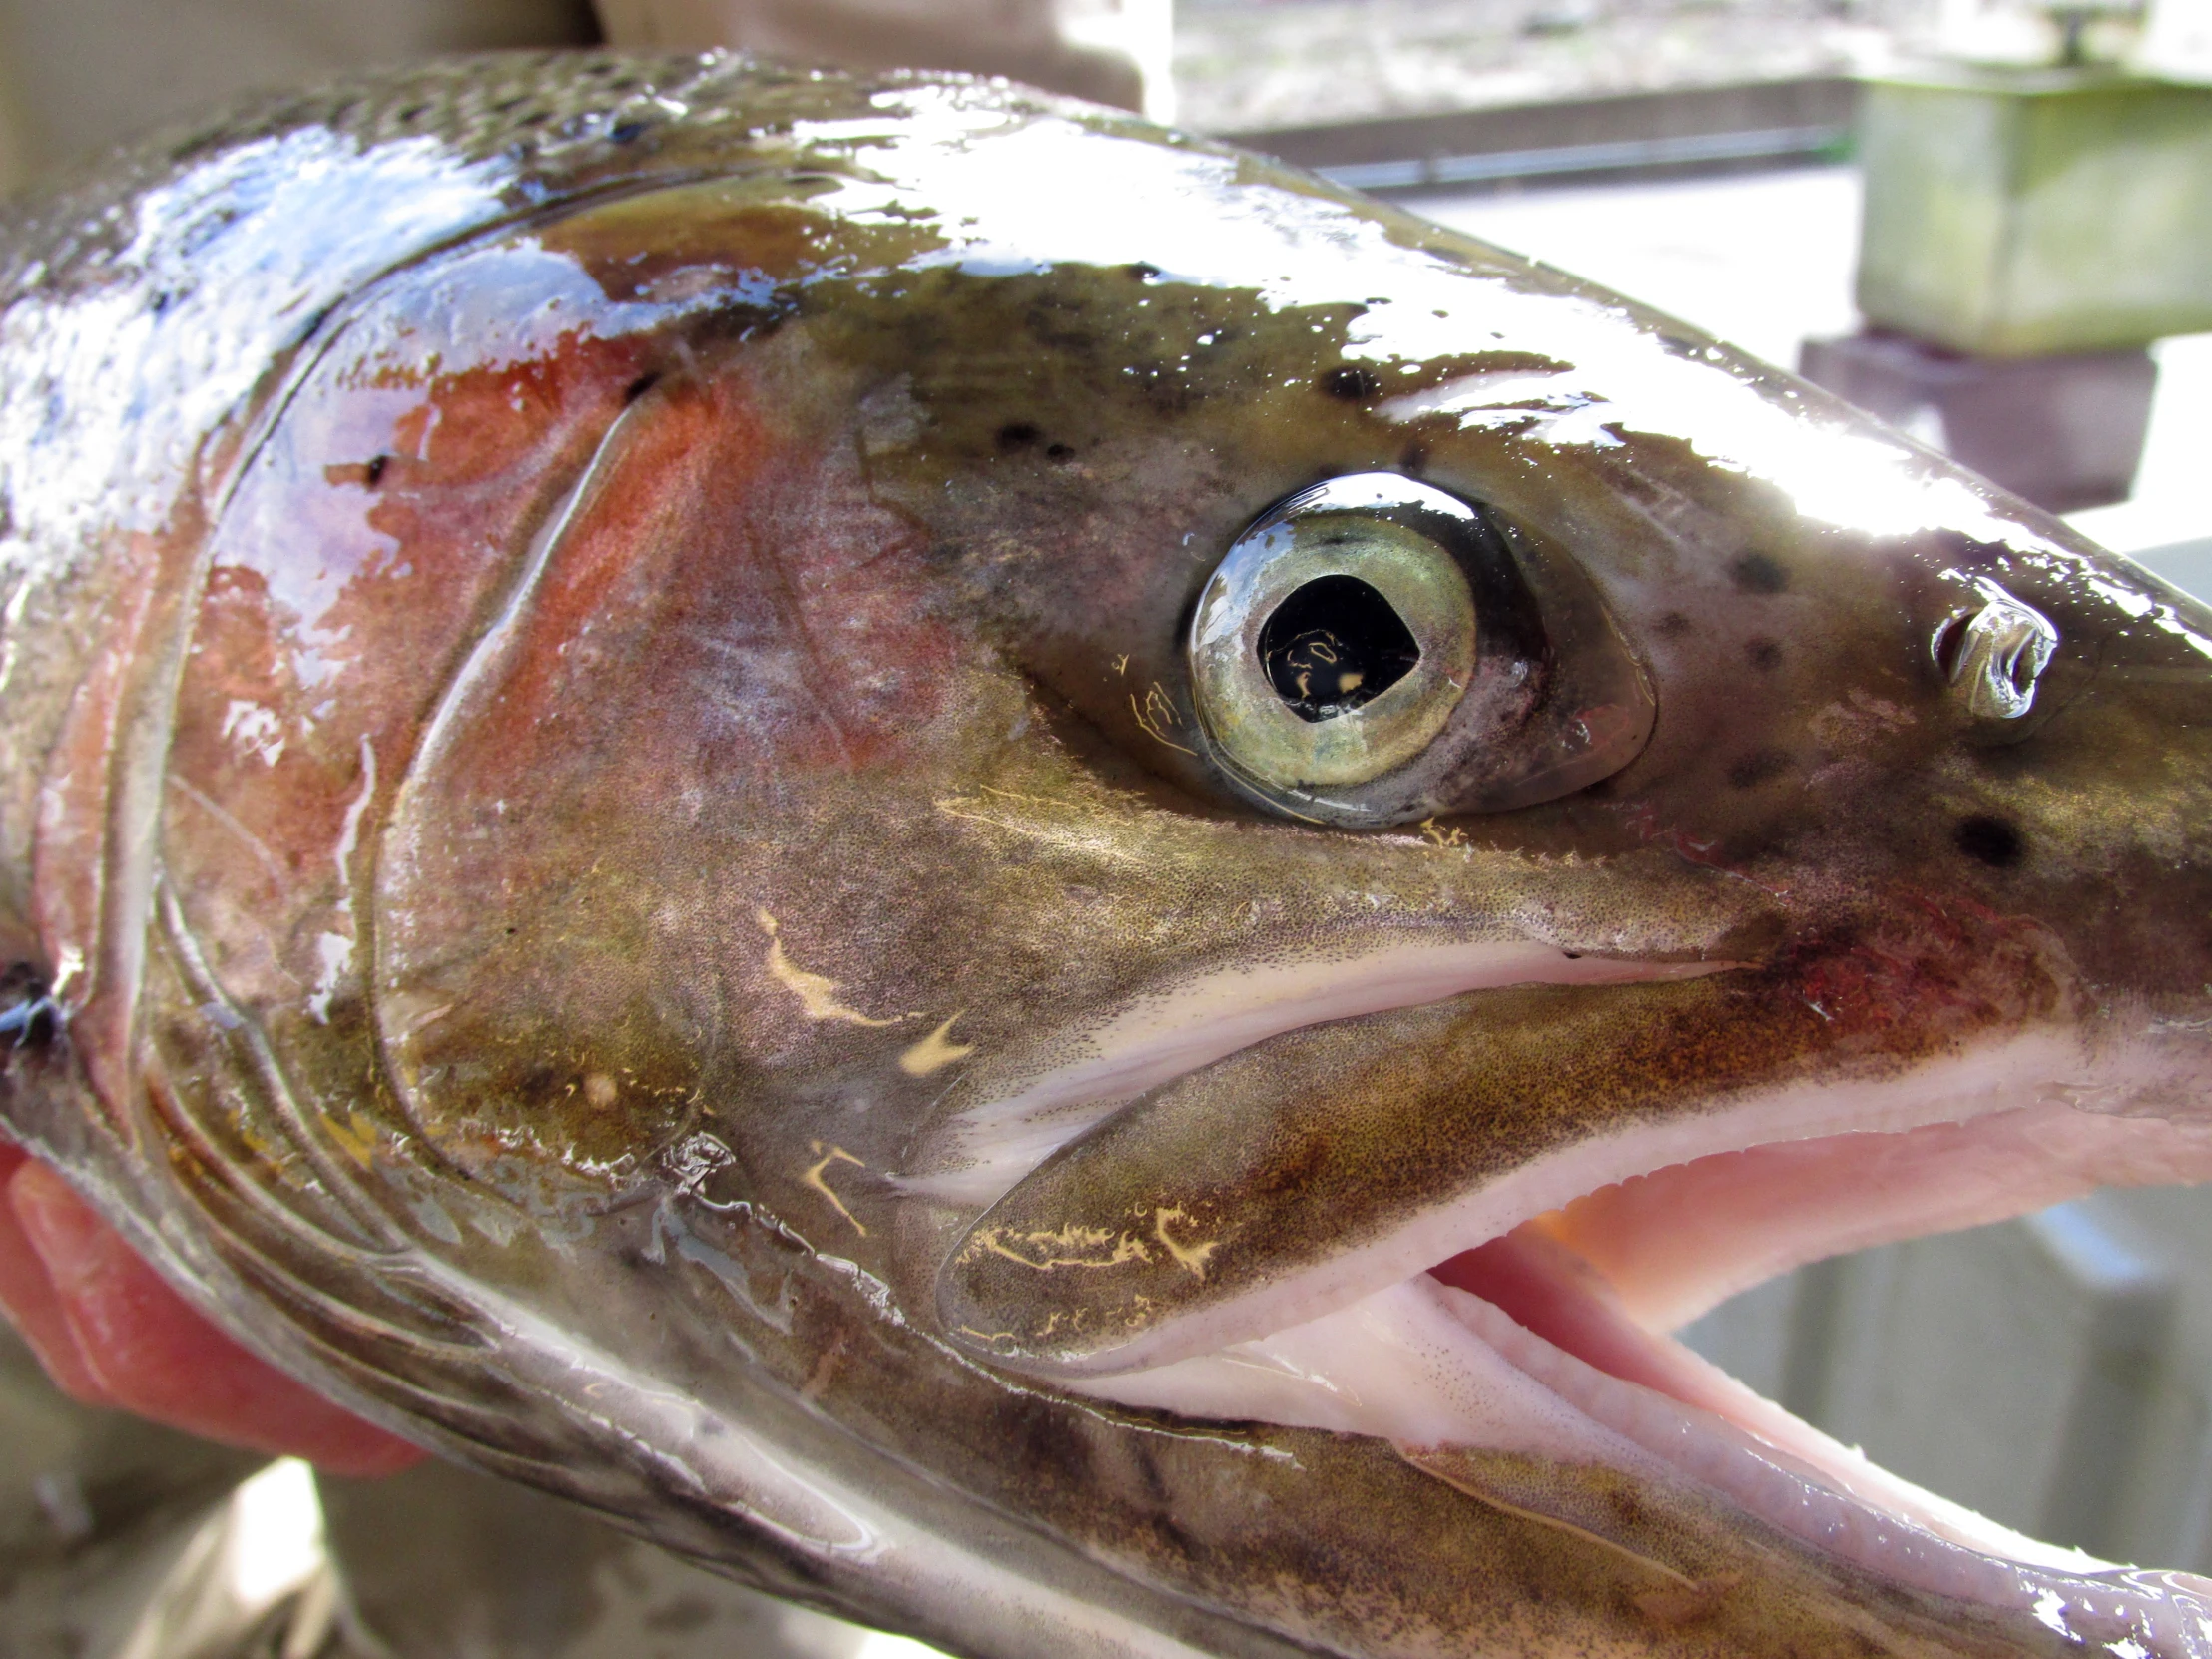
(1246, 64)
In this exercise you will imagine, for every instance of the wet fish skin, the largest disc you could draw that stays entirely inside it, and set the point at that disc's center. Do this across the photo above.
(579, 689)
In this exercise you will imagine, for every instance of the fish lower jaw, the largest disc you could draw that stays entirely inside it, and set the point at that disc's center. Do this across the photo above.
(1519, 1352)
(1441, 1372)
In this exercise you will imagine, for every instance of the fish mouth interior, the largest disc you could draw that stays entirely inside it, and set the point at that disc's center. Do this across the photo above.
(1539, 1329)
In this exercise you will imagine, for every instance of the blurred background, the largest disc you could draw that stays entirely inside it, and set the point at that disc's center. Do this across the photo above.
(1987, 220)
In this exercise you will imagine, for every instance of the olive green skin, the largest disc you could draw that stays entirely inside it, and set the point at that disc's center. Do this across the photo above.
(453, 709)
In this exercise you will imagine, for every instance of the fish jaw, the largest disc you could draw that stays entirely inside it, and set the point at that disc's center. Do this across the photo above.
(1363, 1150)
(1473, 1396)
(985, 1148)
(1515, 1372)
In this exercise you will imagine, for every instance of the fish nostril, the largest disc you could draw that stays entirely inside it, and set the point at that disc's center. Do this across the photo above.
(1993, 840)
(1334, 646)
(1994, 656)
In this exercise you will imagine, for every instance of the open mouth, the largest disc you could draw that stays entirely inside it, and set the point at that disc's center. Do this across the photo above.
(1529, 1319)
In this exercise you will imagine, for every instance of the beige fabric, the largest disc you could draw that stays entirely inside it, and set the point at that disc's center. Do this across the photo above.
(1113, 50)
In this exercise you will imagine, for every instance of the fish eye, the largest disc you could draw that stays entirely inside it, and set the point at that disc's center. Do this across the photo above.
(1374, 649)
(1334, 641)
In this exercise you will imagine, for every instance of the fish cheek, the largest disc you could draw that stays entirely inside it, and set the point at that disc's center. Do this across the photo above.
(572, 955)
(331, 606)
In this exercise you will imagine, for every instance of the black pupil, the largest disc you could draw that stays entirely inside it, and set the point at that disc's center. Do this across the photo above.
(1334, 645)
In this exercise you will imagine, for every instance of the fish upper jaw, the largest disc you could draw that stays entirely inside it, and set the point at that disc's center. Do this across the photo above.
(1157, 1037)
(1322, 1160)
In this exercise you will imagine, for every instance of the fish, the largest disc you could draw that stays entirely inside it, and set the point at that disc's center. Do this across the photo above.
(1043, 884)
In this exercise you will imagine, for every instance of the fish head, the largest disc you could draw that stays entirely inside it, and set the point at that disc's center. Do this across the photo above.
(1059, 887)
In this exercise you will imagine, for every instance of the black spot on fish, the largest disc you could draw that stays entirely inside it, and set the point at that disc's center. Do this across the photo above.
(1759, 766)
(1671, 625)
(626, 131)
(375, 471)
(1141, 272)
(1992, 840)
(1059, 452)
(1763, 655)
(639, 387)
(1758, 573)
(1155, 1483)
(1350, 385)
(1018, 434)
(1043, 1447)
